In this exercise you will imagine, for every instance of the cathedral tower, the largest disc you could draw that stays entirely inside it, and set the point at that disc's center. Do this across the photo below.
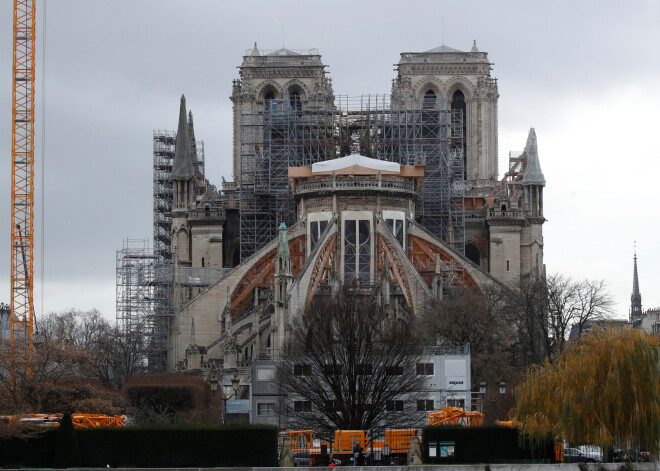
(297, 77)
(463, 81)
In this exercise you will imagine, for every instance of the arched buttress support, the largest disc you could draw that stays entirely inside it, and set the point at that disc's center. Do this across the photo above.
(422, 254)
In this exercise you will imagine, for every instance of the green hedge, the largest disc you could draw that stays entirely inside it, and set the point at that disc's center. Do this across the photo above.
(160, 447)
(484, 445)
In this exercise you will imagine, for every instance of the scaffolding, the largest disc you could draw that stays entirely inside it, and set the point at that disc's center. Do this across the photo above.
(285, 133)
(149, 306)
(140, 301)
(164, 144)
(149, 291)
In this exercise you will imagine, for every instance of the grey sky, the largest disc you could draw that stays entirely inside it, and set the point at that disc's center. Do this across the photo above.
(584, 74)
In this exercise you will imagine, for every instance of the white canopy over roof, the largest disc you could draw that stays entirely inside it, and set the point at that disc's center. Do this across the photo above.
(355, 160)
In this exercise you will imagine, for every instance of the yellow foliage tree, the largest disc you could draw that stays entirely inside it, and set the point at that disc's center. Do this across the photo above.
(603, 390)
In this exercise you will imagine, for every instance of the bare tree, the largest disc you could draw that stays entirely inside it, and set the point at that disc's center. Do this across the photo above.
(527, 307)
(57, 376)
(349, 365)
(480, 320)
(574, 303)
(593, 303)
(562, 291)
(113, 354)
(72, 346)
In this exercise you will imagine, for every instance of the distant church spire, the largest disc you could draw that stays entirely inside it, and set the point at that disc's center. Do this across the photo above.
(636, 297)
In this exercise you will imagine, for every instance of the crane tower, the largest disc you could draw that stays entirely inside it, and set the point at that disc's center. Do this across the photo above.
(22, 190)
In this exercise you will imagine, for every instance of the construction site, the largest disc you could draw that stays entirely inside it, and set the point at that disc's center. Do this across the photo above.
(393, 198)
(284, 134)
(272, 139)
(210, 261)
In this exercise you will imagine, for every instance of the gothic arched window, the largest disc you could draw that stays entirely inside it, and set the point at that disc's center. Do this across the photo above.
(295, 101)
(472, 253)
(269, 96)
(430, 100)
(458, 104)
(430, 127)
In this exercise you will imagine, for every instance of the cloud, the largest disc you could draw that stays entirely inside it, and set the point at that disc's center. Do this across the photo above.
(115, 71)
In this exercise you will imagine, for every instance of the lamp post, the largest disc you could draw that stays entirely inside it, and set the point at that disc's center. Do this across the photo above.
(214, 384)
(491, 401)
(235, 385)
(482, 387)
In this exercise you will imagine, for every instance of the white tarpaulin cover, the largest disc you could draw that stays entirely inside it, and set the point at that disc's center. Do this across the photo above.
(355, 160)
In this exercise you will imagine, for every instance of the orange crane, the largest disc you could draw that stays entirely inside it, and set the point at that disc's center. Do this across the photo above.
(455, 416)
(53, 420)
(22, 191)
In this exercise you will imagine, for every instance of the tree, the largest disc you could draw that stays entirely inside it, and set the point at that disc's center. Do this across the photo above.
(527, 307)
(113, 354)
(175, 398)
(574, 302)
(72, 347)
(477, 319)
(349, 365)
(603, 390)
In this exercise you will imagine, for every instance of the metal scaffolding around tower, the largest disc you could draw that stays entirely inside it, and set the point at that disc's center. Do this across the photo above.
(164, 143)
(145, 277)
(290, 132)
(138, 302)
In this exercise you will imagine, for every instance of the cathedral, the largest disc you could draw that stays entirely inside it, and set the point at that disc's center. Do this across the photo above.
(399, 196)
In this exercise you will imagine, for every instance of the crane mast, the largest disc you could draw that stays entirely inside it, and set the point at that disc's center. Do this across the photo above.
(22, 191)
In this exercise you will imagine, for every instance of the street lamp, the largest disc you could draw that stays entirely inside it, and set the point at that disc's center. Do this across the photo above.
(482, 387)
(235, 385)
(502, 387)
(214, 384)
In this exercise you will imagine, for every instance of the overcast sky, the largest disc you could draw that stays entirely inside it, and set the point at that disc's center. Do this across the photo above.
(584, 74)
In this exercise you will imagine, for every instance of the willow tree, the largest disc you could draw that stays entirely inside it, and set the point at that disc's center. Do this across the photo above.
(603, 390)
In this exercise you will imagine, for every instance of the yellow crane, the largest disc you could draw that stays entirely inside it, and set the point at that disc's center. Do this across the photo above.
(22, 191)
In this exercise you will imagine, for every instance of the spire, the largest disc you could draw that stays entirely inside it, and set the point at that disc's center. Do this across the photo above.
(474, 46)
(191, 128)
(533, 174)
(636, 297)
(182, 167)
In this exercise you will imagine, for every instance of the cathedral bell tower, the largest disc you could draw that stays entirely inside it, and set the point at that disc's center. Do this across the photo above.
(273, 80)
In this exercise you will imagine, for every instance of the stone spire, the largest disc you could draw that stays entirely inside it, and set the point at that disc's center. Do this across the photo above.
(191, 131)
(533, 174)
(182, 167)
(474, 46)
(636, 297)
